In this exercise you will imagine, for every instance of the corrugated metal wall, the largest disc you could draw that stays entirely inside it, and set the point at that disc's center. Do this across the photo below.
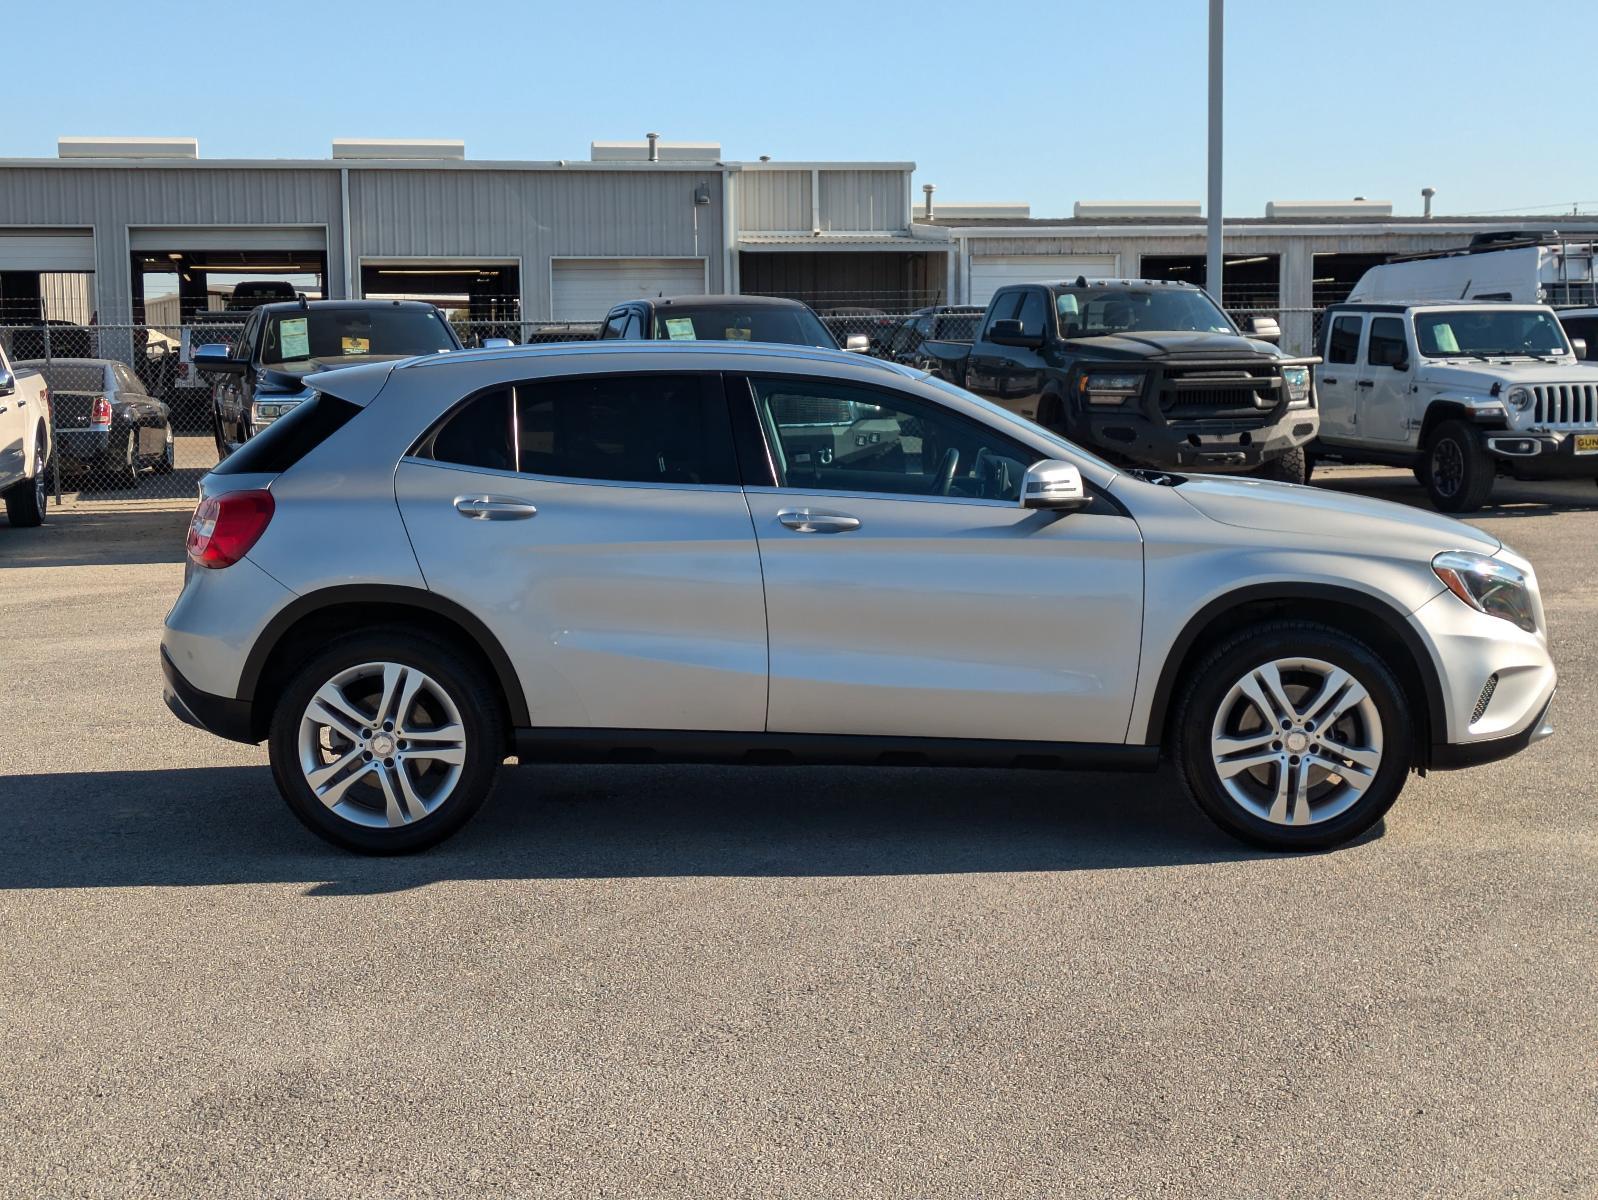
(873, 200)
(534, 216)
(774, 201)
(113, 198)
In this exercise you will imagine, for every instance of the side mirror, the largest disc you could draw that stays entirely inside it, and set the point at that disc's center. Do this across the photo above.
(1401, 364)
(497, 343)
(857, 343)
(1265, 329)
(1053, 484)
(1010, 333)
(8, 382)
(215, 358)
(1578, 347)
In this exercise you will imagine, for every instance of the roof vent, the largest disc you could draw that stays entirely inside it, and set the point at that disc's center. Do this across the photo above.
(654, 150)
(406, 148)
(127, 147)
(1090, 209)
(1329, 208)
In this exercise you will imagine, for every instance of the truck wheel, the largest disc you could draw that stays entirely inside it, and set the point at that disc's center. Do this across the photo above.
(1459, 473)
(27, 499)
(1291, 467)
(1293, 735)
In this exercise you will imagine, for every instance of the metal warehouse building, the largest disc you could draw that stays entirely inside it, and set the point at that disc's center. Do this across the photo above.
(145, 231)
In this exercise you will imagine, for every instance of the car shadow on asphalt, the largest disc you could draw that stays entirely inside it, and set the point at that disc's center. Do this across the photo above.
(225, 825)
(78, 537)
(1511, 497)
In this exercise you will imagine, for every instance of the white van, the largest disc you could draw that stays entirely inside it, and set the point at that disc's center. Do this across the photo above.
(1532, 268)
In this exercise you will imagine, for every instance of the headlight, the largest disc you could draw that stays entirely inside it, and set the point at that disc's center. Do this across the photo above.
(1111, 387)
(271, 410)
(1519, 399)
(1297, 381)
(1488, 585)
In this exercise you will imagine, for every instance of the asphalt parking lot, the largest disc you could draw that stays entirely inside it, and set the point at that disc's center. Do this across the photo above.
(640, 981)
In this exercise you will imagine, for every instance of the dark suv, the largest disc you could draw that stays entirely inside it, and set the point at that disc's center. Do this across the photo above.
(263, 374)
(721, 319)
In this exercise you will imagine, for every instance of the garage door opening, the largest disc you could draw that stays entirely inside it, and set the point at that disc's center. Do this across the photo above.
(481, 299)
(1252, 283)
(583, 290)
(990, 272)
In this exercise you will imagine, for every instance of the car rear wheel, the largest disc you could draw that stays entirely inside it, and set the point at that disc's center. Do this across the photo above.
(27, 499)
(168, 459)
(1293, 736)
(124, 464)
(387, 742)
(1459, 472)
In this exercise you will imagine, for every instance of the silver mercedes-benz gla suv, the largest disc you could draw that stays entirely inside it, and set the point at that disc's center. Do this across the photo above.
(772, 555)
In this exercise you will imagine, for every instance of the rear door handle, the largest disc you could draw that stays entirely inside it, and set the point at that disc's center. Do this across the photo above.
(810, 520)
(1366, 383)
(494, 508)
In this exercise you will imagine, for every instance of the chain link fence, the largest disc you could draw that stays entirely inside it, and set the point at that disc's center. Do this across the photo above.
(133, 418)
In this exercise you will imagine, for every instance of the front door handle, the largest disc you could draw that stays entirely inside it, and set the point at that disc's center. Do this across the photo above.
(1366, 383)
(810, 520)
(494, 508)
(1326, 380)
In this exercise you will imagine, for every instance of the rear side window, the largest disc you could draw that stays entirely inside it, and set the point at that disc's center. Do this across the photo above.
(289, 438)
(613, 428)
(1343, 342)
(1386, 342)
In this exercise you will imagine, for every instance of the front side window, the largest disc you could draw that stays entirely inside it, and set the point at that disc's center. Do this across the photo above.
(1342, 344)
(1003, 308)
(613, 325)
(1034, 311)
(1386, 346)
(1488, 333)
(312, 334)
(1088, 311)
(835, 437)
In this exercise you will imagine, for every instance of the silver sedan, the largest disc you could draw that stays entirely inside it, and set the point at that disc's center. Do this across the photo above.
(761, 554)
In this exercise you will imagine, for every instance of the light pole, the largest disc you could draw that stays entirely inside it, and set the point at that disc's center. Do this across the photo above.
(1212, 209)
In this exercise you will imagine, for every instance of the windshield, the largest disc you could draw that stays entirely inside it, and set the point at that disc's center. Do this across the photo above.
(293, 337)
(729, 323)
(1009, 418)
(1488, 333)
(1100, 311)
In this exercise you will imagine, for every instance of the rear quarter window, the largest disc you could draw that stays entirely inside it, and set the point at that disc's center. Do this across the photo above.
(289, 438)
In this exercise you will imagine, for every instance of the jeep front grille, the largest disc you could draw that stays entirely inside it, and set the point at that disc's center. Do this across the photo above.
(1565, 405)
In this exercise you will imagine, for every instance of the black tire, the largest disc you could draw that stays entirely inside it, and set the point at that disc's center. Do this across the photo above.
(1310, 463)
(1457, 471)
(1289, 467)
(1205, 693)
(28, 499)
(216, 432)
(1420, 472)
(466, 686)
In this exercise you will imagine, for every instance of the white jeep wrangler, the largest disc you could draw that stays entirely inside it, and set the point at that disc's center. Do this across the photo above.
(1460, 391)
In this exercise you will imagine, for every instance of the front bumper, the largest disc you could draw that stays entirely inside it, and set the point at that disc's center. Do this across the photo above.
(1453, 757)
(1545, 455)
(231, 719)
(1212, 445)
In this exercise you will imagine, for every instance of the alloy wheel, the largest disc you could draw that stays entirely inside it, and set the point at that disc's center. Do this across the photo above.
(1296, 741)
(382, 745)
(1448, 467)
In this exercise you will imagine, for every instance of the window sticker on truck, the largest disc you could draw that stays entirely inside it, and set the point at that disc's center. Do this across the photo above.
(356, 345)
(296, 337)
(680, 329)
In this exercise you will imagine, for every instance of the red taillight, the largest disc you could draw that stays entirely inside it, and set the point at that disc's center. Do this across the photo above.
(100, 414)
(225, 527)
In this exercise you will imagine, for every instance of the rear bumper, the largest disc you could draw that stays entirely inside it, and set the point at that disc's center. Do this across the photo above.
(83, 445)
(226, 718)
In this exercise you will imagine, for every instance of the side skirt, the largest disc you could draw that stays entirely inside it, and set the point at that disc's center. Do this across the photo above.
(818, 749)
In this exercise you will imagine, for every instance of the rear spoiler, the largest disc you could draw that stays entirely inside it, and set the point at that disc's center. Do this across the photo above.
(356, 385)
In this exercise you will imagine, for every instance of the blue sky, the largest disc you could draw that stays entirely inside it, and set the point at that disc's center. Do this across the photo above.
(1047, 103)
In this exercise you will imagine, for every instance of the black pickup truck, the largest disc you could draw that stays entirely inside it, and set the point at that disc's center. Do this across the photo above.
(1144, 372)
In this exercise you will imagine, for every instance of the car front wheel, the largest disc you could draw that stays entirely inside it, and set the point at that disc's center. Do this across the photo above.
(1458, 470)
(387, 742)
(1293, 736)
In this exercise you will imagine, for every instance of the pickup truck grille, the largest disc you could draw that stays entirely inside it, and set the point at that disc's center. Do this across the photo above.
(1199, 393)
(1565, 405)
